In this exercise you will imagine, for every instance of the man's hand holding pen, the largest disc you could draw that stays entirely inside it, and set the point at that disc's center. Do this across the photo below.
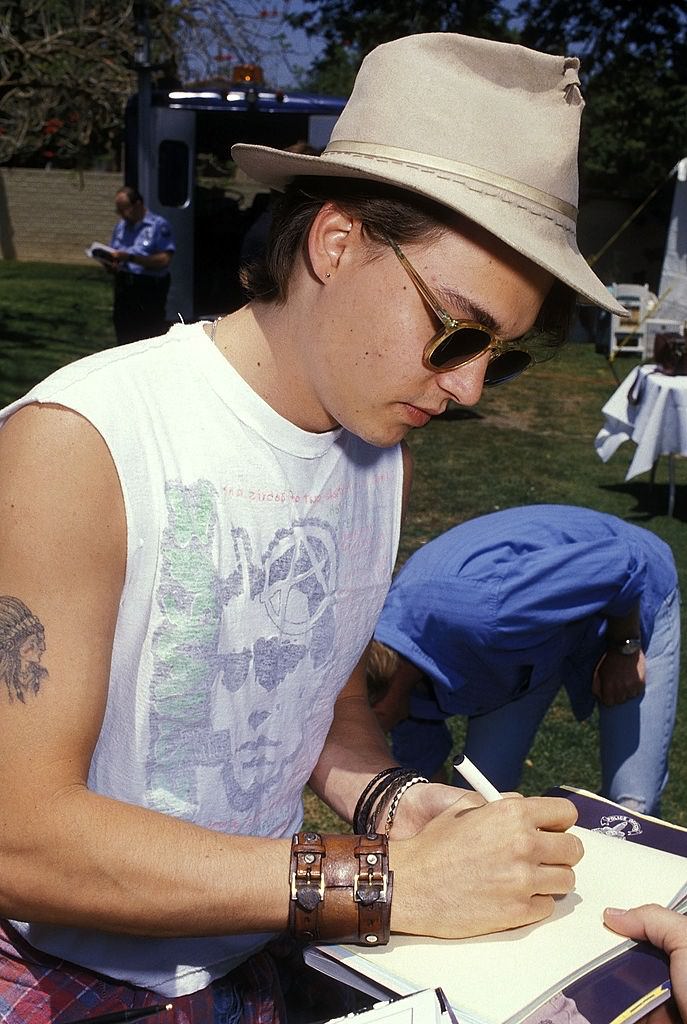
(515, 857)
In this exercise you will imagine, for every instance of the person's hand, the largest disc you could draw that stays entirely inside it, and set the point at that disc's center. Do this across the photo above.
(663, 928)
(119, 257)
(484, 869)
(423, 802)
(619, 677)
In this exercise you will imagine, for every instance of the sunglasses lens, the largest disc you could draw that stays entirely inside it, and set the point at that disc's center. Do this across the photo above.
(456, 348)
(506, 367)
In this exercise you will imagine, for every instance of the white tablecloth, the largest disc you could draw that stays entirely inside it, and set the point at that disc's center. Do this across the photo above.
(656, 421)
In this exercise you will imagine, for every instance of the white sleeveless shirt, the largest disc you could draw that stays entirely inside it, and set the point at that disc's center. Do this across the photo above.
(259, 557)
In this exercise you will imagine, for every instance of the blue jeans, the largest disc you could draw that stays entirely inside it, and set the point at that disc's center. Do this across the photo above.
(634, 737)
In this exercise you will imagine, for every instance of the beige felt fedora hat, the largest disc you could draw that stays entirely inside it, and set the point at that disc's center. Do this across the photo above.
(487, 129)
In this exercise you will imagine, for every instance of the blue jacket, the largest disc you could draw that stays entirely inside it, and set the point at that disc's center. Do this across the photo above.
(498, 604)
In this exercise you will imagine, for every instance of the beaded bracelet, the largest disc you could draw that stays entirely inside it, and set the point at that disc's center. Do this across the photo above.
(393, 806)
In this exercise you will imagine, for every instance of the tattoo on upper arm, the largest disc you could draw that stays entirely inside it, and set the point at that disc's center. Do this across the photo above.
(22, 645)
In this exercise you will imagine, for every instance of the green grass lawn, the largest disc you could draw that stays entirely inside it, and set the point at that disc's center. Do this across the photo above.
(50, 314)
(531, 441)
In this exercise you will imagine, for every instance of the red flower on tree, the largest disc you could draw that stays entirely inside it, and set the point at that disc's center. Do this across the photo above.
(52, 125)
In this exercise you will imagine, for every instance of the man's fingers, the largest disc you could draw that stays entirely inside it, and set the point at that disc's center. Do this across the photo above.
(551, 813)
(560, 848)
(554, 880)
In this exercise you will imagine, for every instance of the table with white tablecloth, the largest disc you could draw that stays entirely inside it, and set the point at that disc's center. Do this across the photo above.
(649, 408)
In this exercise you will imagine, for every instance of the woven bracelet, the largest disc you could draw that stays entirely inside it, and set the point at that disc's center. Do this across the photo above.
(357, 816)
(364, 819)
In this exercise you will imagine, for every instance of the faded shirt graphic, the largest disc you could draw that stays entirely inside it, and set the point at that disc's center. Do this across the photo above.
(237, 660)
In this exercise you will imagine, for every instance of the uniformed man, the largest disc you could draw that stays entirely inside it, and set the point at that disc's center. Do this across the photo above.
(144, 248)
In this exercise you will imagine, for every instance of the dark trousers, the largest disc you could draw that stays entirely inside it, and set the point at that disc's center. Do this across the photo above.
(139, 306)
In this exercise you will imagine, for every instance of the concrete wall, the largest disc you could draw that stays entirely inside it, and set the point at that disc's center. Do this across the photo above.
(54, 215)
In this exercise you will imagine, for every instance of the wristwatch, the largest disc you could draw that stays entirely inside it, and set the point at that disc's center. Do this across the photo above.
(630, 645)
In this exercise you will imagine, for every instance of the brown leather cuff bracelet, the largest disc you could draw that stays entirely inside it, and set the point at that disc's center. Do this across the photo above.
(340, 888)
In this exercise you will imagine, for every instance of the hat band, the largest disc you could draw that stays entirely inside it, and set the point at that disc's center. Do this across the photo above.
(408, 156)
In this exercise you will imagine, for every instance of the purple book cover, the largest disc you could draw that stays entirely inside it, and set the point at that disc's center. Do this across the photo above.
(604, 816)
(607, 993)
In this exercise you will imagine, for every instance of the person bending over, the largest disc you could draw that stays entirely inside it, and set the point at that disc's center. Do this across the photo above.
(493, 617)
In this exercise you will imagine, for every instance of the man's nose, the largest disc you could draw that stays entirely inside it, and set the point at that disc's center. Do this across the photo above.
(465, 383)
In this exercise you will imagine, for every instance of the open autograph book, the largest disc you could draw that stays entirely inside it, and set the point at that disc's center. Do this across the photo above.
(567, 969)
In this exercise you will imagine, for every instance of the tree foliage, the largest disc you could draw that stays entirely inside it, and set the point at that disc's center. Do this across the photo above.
(351, 28)
(600, 31)
(634, 72)
(634, 129)
(65, 68)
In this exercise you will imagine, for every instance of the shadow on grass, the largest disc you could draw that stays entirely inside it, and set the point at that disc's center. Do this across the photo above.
(651, 499)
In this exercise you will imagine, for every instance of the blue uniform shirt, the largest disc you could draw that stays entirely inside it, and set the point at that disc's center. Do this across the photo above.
(152, 234)
(498, 604)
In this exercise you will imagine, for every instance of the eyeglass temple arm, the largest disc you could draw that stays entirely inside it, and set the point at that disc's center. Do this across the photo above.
(445, 318)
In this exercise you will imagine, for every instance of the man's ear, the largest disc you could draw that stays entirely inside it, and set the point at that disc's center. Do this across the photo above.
(332, 233)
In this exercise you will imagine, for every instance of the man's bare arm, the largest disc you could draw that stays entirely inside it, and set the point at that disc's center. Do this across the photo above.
(68, 855)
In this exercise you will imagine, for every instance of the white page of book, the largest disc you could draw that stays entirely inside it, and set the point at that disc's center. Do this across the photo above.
(491, 978)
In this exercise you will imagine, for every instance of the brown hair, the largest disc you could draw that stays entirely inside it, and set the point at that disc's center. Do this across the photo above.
(381, 668)
(385, 211)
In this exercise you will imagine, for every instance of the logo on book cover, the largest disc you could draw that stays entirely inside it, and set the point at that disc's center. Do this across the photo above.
(618, 826)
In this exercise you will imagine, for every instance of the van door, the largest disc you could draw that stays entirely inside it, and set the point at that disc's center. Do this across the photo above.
(171, 195)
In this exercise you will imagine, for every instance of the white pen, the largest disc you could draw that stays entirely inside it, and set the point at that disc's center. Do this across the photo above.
(479, 782)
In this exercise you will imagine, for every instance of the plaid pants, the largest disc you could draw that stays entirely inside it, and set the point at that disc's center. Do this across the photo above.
(36, 988)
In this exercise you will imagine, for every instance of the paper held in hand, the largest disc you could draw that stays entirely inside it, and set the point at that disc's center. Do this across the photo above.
(100, 251)
(502, 978)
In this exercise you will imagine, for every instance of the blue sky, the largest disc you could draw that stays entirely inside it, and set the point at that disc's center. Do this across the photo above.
(280, 64)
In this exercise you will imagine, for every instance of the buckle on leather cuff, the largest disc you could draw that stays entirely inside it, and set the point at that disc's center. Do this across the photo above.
(340, 888)
(370, 886)
(307, 875)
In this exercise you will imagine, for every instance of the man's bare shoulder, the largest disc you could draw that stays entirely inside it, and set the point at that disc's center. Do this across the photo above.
(46, 431)
(56, 473)
(45, 421)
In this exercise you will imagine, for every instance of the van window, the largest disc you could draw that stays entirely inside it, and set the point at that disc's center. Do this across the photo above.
(173, 176)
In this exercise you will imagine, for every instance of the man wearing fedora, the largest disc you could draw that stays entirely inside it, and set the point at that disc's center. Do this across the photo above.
(205, 524)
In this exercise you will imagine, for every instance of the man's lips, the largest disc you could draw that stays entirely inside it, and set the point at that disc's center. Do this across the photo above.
(420, 416)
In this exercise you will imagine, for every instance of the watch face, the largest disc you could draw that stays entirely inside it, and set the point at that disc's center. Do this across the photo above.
(630, 646)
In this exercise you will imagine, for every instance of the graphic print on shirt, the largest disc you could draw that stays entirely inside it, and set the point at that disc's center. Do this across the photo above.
(229, 704)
